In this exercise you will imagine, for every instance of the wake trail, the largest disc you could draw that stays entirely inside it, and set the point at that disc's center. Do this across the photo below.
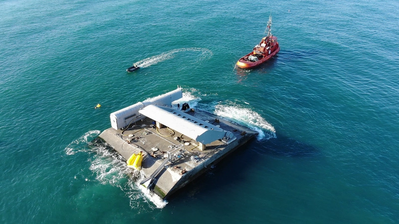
(147, 62)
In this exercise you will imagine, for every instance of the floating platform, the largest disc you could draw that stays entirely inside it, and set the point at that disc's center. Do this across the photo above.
(178, 143)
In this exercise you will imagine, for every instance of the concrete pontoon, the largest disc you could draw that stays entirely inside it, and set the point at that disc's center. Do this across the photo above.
(179, 143)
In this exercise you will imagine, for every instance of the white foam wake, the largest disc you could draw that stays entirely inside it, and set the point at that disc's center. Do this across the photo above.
(249, 118)
(81, 143)
(205, 54)
(190, 99)
(109, 168)
(233, 112)
(112, 170)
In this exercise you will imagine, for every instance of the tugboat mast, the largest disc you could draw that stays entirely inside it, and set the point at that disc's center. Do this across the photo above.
(269, 27)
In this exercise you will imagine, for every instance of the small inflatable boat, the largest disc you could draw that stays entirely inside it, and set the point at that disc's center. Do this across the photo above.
(133, 68)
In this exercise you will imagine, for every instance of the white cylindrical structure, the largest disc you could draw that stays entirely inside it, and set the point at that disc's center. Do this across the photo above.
(123, 117)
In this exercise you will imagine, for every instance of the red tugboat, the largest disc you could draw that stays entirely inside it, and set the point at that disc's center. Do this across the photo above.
(266, 49)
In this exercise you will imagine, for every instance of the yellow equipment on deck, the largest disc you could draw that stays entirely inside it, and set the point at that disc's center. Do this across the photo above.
(135, 161)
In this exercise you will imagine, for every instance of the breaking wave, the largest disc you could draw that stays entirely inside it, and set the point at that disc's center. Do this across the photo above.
(205, 54)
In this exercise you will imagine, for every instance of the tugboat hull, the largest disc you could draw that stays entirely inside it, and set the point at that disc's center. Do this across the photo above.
(244, 63)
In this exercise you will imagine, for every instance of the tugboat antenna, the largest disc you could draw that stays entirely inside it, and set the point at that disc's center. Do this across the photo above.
(269, 27)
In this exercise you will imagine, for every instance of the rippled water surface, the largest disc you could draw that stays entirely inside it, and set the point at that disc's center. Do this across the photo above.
(326, 109)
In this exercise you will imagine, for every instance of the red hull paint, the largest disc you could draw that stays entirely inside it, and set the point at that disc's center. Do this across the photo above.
(260, 53)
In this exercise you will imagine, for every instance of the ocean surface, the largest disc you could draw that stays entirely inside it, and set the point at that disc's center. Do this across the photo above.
(326, 108)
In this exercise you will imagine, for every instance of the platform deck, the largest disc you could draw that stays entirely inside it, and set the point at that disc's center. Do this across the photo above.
(187, 161)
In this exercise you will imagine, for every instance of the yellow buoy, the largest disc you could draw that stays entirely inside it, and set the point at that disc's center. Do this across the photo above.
(98, 106)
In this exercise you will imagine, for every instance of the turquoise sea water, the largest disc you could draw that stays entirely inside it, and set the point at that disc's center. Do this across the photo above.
(331, 96)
